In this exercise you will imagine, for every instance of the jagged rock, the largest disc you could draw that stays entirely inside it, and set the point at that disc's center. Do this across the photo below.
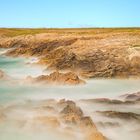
(89, 53)
(71, 113)
(57, 78)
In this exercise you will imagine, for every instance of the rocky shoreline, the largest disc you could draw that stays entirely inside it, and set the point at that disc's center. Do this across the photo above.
(111, 54)
(72, 57)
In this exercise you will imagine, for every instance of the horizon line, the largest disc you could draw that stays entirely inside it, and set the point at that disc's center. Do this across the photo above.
(70, 27)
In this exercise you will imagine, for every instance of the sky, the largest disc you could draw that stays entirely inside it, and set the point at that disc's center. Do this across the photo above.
(69, 13)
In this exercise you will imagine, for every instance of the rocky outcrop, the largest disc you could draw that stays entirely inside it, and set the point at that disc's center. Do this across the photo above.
(71, 114)
(88, 53)
(57, 78)
(98, 63)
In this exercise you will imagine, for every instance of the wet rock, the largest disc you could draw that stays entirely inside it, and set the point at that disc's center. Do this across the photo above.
(132, 97)
(108, 101)
(57, 78)
(108, 124)
(72, 108)
(48, 121)
(2, 115)
(2, 74)
(71, 113)
(87, 122)
(94, 135)
(48, 109)
(63, 103)
(120, 115)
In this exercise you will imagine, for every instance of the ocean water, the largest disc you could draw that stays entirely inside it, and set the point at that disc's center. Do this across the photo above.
(12, 91)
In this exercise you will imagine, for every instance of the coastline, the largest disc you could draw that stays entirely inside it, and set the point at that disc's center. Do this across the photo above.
(95, 98)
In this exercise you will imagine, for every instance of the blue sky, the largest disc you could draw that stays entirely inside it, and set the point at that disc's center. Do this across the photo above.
(69, 13)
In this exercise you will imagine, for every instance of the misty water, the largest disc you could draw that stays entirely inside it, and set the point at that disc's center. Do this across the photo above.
(15, 92)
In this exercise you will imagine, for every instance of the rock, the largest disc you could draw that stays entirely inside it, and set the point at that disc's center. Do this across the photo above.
(120, 115)
(2, 75)
(95, 135)
(2, 115)
(98, 63)
(108, 101)
(63, 103)
(71, 113)
(87, 122)
(108, 124)
(91, 54)
(133, 97)
(57, 78)
(48, 121)
(72, 109)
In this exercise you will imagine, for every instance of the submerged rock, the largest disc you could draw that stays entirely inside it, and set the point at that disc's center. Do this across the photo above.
(108, 124)
(94, 135)
(108, 101)
(86, 121)
(62, 116)
(71, 114)
(2, 115)
(57, 78)
(131, 97)
(120, 115)
(48, 121)
(2, 74)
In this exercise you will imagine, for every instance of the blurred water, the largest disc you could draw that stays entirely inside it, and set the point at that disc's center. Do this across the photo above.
(18, 69)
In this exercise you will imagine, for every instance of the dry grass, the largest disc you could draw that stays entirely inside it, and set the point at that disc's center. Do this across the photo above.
(11, 32)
